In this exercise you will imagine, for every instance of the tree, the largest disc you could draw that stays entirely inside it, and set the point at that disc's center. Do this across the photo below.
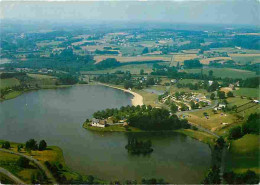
(145, 50)
(212, 96)
(230, 94)
(221, 95)
(210, 73)
(90, 179)
(174, 108)
(141, 71)
(128, 84)
(31, 145)
(6, 145)
(23, 162)
(42, 145)
(235, 133)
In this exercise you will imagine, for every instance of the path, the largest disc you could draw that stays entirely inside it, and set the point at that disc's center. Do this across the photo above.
(40, 165)
(11, 176)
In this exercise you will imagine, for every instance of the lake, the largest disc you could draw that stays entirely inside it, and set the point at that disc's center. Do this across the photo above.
(57, 115)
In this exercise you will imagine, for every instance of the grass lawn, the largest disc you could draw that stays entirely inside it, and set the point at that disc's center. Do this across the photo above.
(214, 121)
(12, 95)
(225, 72)
(199, 135)
(249, 92)
(244, 154)
(246, 58)
(8, 82)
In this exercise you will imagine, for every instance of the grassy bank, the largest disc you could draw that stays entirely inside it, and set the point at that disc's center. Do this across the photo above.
(244, 154)
(198, 135)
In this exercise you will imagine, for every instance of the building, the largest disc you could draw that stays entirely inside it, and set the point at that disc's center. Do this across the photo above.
(98, 123)
(221, 106)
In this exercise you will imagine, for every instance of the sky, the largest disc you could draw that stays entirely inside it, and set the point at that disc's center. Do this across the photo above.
(174, 11)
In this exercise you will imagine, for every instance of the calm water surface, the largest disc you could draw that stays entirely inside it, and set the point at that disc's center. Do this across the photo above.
(57, 116)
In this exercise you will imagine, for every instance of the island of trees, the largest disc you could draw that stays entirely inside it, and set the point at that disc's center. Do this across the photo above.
(139, 147)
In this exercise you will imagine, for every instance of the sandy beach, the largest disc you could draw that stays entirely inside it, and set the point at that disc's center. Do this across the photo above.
(136, 100)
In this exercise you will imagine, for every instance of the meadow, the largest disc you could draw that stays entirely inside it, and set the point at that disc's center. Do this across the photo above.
(248, 92)
(225, 72)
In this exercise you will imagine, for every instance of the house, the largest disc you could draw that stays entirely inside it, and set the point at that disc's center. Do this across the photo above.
(221, 106)
(210, 82)
(98, 123)
(255, 101)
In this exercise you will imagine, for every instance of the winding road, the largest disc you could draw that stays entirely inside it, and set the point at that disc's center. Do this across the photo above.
(11, 176)
(36, 162)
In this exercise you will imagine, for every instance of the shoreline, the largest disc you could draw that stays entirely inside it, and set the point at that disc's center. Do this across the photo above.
(136, 100)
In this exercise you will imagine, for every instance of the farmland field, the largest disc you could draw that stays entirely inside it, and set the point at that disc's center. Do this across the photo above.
(207, 60)
(225, 72)
(246, 58)
(249, 92)
(181, 57)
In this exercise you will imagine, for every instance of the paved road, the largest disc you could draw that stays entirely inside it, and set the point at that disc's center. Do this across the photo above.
(40, 165)
(11, 176)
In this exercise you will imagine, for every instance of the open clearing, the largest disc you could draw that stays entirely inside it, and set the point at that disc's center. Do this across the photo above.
(213, 122)
(225, 72)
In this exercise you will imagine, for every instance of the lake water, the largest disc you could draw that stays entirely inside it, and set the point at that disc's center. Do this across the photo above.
(57, 116)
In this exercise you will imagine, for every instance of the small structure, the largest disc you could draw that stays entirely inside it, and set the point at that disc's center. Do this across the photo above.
(98, 123)
(210, 82)
(221, 105)
(256, 101)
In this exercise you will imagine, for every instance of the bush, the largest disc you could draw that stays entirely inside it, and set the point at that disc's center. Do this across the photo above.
(235, 133)
(23, 162)
(6, 145)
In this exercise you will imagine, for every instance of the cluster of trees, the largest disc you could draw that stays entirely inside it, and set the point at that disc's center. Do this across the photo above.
(125, 78)
(11, 75)
(65, 61)
(192, 64)
(32, 145)
(212, 176)
(249, 177)
(200, 85)
(156, 119)
(6, 145)
(251, 126)
(138, 147)
(67, 79)
(108, 63)
(57, 169)
(106, 52)
(144, 117)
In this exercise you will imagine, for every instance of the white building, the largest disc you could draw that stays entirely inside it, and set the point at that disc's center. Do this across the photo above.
(98, 123)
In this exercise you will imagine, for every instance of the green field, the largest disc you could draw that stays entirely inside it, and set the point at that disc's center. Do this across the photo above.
(225, 72)
(8, 82)
(246, 59)
(249, 92)
(134, 69)
(244, 154)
